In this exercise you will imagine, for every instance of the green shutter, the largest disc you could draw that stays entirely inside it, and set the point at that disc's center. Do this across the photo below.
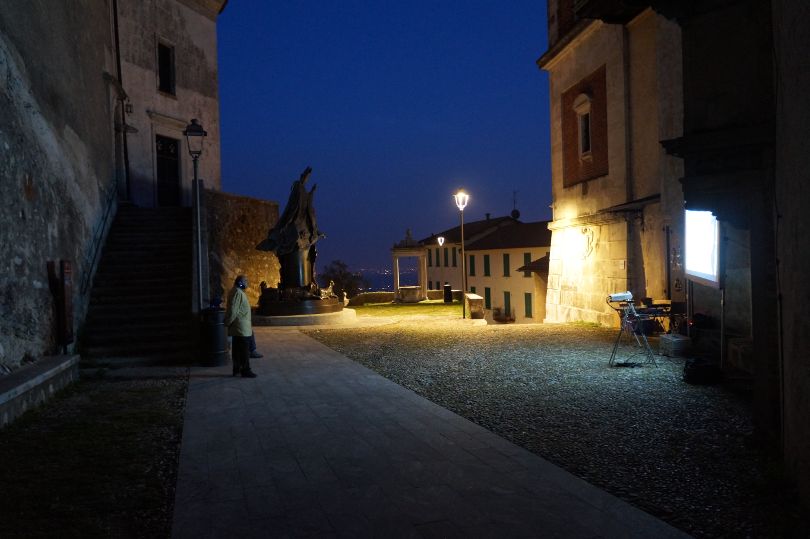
(486, 265)
(527, 259)
(472, 265)
(454, 258)
(430, 257)
(507, 303)
(506, 264)
(472, 289)
(487, 298)
(445, 257)
(528, 299)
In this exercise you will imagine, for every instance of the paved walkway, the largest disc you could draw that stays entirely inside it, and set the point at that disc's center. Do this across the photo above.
(320, 446)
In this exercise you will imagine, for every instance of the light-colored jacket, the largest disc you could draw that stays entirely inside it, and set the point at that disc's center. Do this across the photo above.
(237, 315)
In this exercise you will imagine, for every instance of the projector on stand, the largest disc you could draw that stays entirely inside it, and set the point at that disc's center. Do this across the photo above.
(620, 296)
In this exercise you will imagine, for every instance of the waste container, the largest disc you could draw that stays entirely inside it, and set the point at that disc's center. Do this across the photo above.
(214, 341)
(448, 293)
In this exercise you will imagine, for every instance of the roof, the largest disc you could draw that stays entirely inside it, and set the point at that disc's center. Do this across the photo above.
(537, 266)
(471, 230)
(514, 236)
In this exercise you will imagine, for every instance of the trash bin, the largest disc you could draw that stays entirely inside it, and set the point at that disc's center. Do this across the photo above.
(448, 293)
(214, 341)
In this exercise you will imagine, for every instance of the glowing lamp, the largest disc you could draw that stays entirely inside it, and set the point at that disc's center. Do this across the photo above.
(440, 239)
(462, 199)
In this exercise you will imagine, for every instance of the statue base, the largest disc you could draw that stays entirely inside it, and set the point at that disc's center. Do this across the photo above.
(294, 307)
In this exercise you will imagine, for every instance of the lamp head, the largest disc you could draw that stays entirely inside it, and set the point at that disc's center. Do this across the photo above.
(194, 134)
(462, 199)
(440, 239)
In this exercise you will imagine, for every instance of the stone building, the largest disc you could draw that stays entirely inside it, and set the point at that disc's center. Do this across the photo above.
(615, 90)
(745, 113)
(168, 71)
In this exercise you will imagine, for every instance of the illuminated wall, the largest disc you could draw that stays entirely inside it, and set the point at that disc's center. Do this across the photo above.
(617, 224)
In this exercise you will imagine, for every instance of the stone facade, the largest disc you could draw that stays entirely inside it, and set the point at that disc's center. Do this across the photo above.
(236, 225)
(791, 43)
(57, 168)
(616, 202)
(182, 35)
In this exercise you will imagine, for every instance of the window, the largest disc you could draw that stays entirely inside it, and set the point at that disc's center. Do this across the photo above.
(527, 297)
(507, 303)
(472, 289)
(166, 68)
(438, 262)
(472, 265)
(585, 135)
(430, 257)
(527, 259)
(487, 298)
(486, 265)
(430, 285)
(446, 257)
(454, 258)
(438, 285)
(584, 129)
(506, 264)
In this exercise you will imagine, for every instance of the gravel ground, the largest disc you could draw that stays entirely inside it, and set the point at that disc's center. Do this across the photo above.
(683, 453)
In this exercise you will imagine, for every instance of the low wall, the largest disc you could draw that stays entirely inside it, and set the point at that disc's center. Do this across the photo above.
(235, 225)
(30, 386)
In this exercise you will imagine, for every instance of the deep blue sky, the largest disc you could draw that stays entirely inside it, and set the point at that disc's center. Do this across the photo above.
(394, 105)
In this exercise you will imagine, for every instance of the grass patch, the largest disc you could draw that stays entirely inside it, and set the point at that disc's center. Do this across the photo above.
(100, 460)
(423, 308)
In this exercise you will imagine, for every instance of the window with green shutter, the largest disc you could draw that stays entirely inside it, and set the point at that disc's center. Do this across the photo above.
(472, 265)
(507, 303)
(487, 298)
(486, 266)
(527, 259)
(528, 299)
(446, 257)
(430, 257)
(506, 264)
(472, 289)
(454, 258)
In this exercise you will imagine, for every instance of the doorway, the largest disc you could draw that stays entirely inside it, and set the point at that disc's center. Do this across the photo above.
(168, 171)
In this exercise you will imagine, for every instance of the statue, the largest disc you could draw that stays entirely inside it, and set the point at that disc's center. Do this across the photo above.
(293, 241)
(294, 236)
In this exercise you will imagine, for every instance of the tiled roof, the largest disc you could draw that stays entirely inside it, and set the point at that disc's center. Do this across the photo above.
(472, 230)
(537, 266)
(514, 236)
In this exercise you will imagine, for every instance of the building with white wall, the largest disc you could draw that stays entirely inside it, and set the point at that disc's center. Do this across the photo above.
(495, 250)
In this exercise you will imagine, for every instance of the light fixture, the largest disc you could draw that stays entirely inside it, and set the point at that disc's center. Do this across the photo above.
(440, 239)
(194, 134)
(462, 199)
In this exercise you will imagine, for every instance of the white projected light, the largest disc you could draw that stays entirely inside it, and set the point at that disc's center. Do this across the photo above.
(702, 247)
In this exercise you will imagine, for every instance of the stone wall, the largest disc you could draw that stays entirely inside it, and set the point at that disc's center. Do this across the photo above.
(236, 224)
(56, 159)
(791, 43)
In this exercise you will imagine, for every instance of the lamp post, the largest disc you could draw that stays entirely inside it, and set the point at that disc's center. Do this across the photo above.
(440, 241)
(462, 199)
(195, 134)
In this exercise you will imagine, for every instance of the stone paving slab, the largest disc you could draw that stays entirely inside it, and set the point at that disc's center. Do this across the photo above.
(320, 446)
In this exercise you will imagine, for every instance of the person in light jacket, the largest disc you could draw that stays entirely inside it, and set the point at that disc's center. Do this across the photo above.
(237, 320)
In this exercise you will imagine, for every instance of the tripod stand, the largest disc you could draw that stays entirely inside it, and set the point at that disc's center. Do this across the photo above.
(631, 323)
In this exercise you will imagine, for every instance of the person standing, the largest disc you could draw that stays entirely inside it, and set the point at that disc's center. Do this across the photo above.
(237, 320)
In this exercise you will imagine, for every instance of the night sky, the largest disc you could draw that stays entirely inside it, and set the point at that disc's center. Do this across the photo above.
(395, 105)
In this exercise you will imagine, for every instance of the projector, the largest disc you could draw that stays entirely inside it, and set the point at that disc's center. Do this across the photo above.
(620, 296)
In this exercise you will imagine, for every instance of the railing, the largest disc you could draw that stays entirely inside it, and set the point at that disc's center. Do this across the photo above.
(91, 259)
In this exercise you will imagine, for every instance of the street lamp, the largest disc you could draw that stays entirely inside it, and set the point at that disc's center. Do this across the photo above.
(195, 134)
(440, 239)
(462, 199)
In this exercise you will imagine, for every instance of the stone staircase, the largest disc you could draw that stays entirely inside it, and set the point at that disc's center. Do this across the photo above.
(140, 305)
